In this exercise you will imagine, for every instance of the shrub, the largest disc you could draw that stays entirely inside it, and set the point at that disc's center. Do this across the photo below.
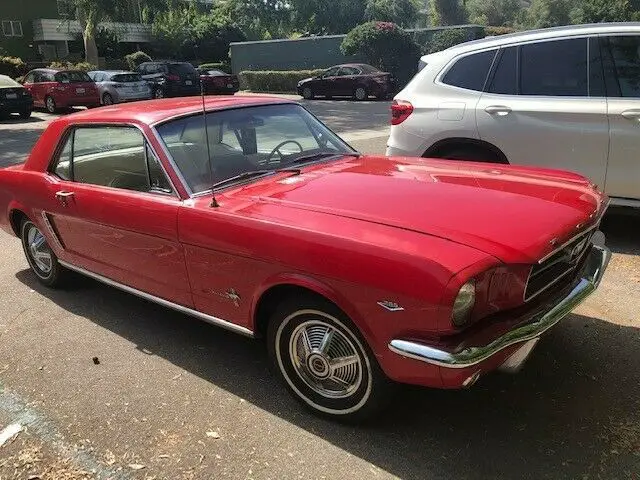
(12, 66)
(84, 66)
(136, 58)
(224, 67)
(445, 39)
(384, 45)
(274, 81)
(492, 31)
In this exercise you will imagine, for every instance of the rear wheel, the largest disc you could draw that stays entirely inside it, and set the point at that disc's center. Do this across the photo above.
(26, 113)
(107, 99)
(158, 93)
(42, 260)
(307, 93)
(50, 104)
(469, 153)
(325, 362)
(360, 93)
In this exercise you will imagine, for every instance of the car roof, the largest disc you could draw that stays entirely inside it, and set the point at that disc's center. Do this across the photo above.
(542, 34)
(151, 112)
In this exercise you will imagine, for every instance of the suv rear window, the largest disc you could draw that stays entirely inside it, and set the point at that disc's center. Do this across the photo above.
(470, 72)
(126, 77)
(72, 77)
(182, 69)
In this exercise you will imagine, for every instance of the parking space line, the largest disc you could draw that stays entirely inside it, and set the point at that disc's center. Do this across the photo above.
(21, 413)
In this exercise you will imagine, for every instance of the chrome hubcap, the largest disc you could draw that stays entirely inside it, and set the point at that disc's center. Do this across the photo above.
(50, 104)
(325, 359)
(360, 94)
(39, 250)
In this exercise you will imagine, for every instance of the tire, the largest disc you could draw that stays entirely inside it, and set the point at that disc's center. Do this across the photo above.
(360, 94)
(50, 104)
(107, 99)
(158, 93)
(42, 260)
(25, 114)
(362, 391)
(307, 93)
(470, 154)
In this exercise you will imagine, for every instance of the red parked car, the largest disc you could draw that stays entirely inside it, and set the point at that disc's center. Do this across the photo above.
(59, 89)
(218, 82)
(358, 271)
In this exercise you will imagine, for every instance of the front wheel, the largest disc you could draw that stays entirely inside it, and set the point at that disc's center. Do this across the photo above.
(360, 93)
(50, 104)
(42, 260)
(325, 362)
(158, 93)
(307, 93)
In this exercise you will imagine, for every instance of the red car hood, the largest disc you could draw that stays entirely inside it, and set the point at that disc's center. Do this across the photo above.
(516, 214)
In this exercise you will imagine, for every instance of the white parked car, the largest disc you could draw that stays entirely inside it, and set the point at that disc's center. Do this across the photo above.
(566, 98)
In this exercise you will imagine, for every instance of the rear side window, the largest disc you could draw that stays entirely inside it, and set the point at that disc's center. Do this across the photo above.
(72, 77)
(505, 77)
(470, 72)
(622, 66)
(557, 68)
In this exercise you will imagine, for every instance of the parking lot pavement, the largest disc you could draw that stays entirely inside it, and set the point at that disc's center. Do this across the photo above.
(174, 398)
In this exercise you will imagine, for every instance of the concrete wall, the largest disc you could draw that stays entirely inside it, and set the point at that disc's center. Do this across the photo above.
(309, 53)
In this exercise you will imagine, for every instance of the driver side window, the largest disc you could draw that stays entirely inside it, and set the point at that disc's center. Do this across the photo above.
(332, 72)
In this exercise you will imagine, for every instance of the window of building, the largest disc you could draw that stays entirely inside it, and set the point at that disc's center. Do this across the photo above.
(12, 28)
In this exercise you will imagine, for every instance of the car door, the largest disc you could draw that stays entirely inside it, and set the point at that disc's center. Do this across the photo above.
(345, 82)
(537, 107)
(29, 83)
(621, 61)
(326, 84)
(115, 212)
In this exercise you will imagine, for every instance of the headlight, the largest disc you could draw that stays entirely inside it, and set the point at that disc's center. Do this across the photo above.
(464, 303)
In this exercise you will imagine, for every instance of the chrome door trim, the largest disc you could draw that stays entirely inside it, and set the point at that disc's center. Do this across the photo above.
(50, 229)
(218, 322)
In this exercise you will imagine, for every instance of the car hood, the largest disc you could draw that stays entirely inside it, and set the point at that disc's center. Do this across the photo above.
(515, 214)
(305, 80)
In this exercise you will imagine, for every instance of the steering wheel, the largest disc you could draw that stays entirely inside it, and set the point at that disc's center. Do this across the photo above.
(279, 146)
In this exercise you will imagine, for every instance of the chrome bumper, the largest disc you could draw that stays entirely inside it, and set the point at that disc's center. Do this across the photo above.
(591, 276)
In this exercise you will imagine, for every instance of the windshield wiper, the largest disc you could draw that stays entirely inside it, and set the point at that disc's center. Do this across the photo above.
(252, 174)
(319, 156)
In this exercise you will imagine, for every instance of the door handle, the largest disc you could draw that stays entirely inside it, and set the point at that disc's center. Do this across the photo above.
(64, 197)
(631, 115)
(499, 110)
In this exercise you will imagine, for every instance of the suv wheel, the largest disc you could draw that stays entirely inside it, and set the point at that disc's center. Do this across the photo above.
(158, 93)
(325, 362)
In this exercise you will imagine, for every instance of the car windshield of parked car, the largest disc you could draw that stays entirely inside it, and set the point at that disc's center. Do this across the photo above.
(8, 82)
(245, 140)
(126, 77)
(72, 77)
(182, 69)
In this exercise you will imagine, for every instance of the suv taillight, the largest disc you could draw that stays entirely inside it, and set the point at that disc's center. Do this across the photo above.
(400, 111)
(173, 78)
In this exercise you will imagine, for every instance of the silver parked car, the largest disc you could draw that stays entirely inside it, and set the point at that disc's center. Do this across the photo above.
(116, 86)
(566, 98)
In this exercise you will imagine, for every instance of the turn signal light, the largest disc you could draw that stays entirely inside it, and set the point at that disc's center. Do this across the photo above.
(400, 111)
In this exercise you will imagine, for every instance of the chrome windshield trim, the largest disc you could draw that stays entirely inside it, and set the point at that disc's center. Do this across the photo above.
(470, 356)
(218, 322)
(172, 162)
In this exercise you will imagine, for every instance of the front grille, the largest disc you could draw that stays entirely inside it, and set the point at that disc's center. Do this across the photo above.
(559, 267)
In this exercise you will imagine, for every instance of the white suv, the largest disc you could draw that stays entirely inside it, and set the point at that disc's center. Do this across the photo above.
(565, 98)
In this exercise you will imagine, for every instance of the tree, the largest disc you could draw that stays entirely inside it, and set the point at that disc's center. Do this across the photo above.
(384, 45)
(448, 12)
(212, 35)
(170, 30)
(549, 13)
(497, 13)
(596, 11)
(327, 16)
(400, 12)
(259, 18)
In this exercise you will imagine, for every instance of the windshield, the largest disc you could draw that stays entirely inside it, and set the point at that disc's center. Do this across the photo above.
(243, 140)
(72, 77)
(182, 69)
(8, 82)
(126, 77)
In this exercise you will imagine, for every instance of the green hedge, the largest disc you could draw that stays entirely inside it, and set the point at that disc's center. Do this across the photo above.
(84, 66)
(136, 58)
(274, 81)
(223, 67)
(12, 66)
(492, 31)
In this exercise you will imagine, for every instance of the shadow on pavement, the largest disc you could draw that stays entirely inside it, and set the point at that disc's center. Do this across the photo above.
(573, 412)
(14, 119)
(621, 227)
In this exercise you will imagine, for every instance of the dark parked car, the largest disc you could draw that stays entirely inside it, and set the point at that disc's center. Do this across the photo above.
(170, 79)
(14, 98)
(356, 80)
(216, 81)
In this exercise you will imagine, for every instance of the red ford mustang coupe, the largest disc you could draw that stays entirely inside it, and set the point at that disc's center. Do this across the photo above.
(358, 271)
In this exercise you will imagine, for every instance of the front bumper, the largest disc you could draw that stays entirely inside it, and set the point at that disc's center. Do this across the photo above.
(520, 339)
